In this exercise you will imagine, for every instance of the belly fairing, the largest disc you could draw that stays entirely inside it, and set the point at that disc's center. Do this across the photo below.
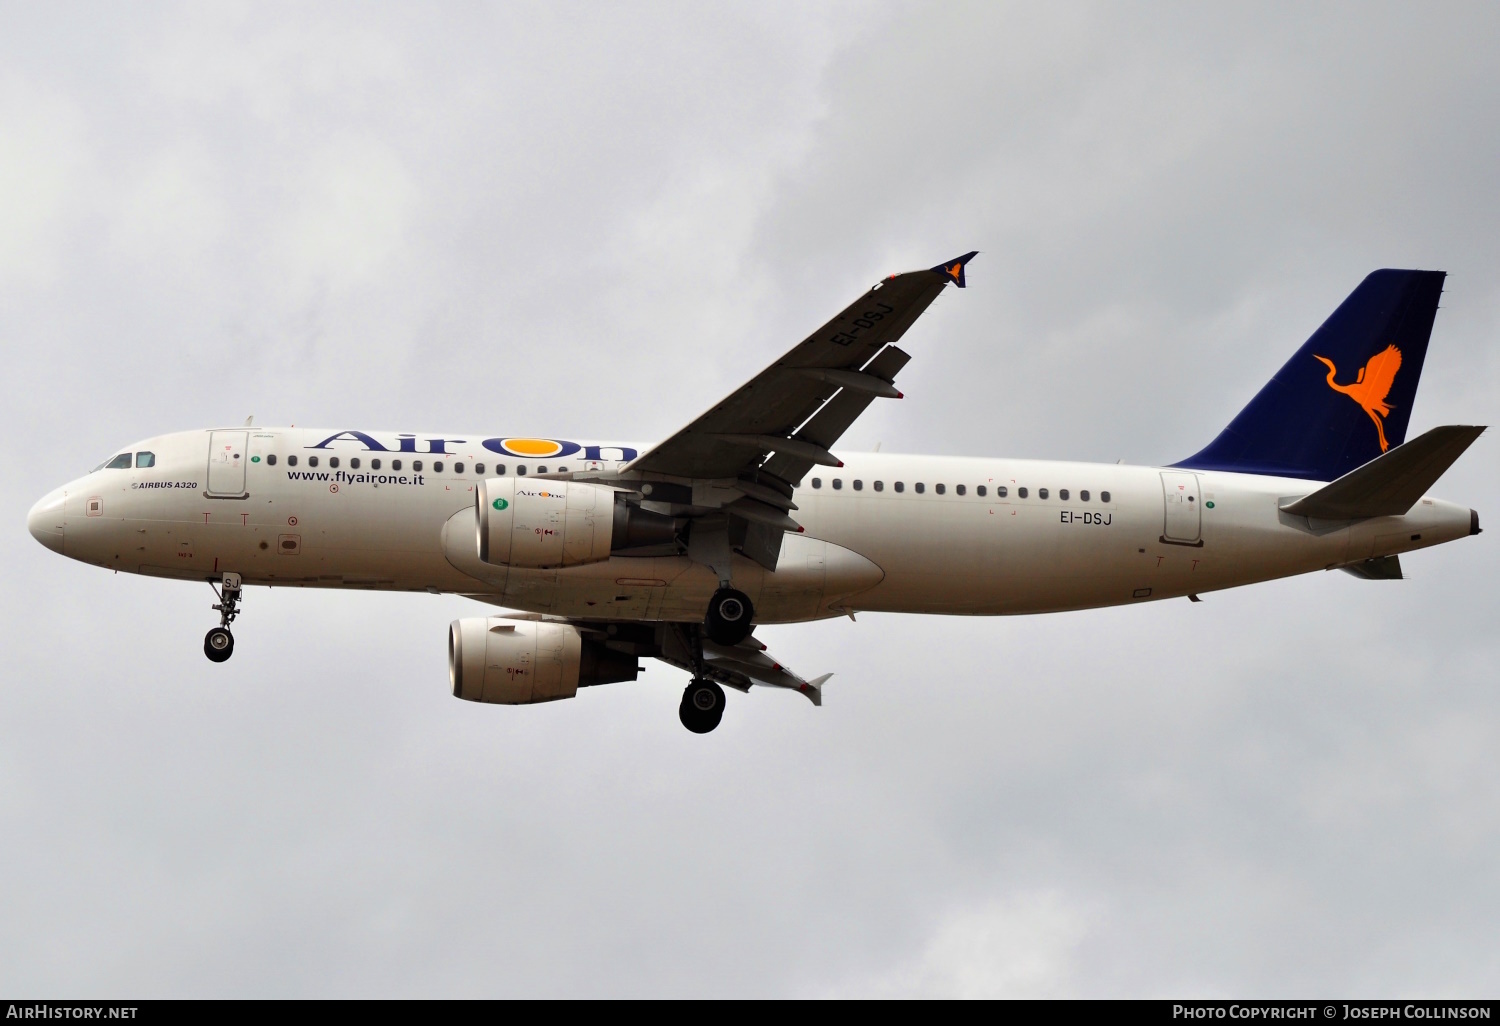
(813, 579)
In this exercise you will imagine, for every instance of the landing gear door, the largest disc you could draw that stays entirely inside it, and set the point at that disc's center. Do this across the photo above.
(1183, 523)
(226, 465)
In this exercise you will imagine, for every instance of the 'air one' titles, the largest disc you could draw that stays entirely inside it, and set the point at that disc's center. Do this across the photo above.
(534, 448)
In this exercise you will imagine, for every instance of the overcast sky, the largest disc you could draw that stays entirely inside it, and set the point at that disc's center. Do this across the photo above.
(593, 221)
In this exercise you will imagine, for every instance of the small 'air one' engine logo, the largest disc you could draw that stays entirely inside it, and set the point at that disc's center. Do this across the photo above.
(499, 504)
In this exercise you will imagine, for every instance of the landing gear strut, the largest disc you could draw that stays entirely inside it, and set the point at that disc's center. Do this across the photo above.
(218, 644)
(702, 706)
(703, 701)
(729, 616)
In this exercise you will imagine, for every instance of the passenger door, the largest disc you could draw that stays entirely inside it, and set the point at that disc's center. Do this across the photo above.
(226, 465)
(1183, 523)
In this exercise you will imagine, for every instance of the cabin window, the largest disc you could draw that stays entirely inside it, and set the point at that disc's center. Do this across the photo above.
(479, 469)
(817, 482)
(859, 485)
(980, 491)
(416, 466)
(959, 489)
(499, 469)
(880, 486)
(437, 466)
(1021, 492)
(1062, 493)
(940, 489)
(145, 459)
(900, 486)
(1041, 493)
(541, 470)
(458, 468)
(1001, 491)
(521, 469)
(312, 461)
(1103, 496)
(395, 464)
(291, 461)
(1083, 496)
(271, 460)
(333, 461)
(562, 470)
(120, 462)
(838, 483)
(354, 463)
(920, 487)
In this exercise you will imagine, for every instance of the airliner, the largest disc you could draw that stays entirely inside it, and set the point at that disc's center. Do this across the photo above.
(598, 554)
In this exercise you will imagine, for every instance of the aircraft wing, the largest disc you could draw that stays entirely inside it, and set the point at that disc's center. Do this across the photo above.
(801, 404)
(734, 666)
(740, 666)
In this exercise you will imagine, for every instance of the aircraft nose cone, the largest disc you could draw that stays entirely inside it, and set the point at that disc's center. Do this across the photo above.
(45, 521)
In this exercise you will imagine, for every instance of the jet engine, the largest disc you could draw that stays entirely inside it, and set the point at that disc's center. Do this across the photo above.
(518, 662)
(543, 524)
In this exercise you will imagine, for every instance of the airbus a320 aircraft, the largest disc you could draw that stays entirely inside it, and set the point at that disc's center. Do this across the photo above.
(607, 553)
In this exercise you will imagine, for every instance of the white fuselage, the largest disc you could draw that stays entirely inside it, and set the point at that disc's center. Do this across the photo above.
(946, 541)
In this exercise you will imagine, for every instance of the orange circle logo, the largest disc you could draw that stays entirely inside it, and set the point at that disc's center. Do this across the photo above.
(531, 446)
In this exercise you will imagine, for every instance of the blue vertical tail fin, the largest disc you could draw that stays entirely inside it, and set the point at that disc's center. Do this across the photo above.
(1346, 396)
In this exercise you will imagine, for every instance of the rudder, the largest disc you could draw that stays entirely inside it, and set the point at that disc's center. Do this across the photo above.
(1346, 396)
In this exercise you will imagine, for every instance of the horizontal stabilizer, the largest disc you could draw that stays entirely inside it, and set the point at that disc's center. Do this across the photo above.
(1391, 484)
(1381, 568)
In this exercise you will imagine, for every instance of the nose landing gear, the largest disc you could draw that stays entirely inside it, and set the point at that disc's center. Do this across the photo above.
(218, 644)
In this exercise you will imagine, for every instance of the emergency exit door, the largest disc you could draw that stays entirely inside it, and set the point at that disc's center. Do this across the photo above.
(226, 465)
(1183, 521)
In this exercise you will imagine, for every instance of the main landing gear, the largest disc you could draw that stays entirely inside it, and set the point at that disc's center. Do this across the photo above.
(218, 644)
(702, 706)
(729, 616)
(703, 700)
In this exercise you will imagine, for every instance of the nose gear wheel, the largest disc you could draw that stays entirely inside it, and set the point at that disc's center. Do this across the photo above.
(218, 644)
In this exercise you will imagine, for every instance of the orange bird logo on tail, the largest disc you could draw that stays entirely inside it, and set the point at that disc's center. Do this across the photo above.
(1371, 386)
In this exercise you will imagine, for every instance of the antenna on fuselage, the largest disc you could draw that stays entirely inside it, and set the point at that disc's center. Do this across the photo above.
(250, 420)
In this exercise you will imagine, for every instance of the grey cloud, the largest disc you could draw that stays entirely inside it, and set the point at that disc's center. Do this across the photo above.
(592, 221)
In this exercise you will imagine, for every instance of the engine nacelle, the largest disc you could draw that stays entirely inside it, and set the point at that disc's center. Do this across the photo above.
(543, 524)
(518, 662)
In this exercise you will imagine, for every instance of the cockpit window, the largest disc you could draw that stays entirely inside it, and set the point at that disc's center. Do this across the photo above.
(145, 459)
(120, 462)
